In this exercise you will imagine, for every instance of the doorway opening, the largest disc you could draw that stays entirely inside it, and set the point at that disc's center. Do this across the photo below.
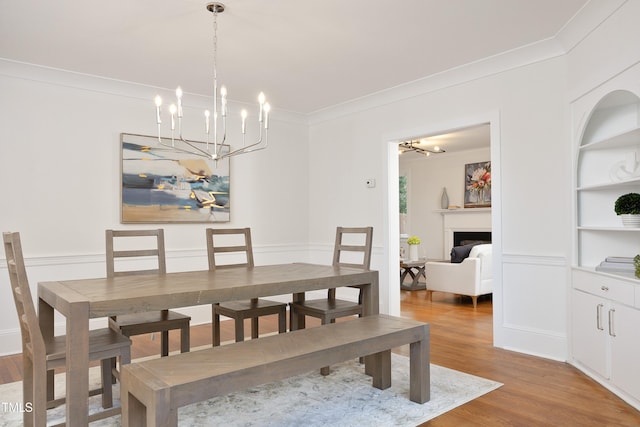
(426, 217)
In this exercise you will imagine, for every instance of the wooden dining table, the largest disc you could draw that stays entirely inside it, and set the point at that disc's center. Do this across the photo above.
(81, 300)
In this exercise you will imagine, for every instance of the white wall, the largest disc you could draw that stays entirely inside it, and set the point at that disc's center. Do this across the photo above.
(529, 104)
(606, 51)
(61, 163)
(60, 166)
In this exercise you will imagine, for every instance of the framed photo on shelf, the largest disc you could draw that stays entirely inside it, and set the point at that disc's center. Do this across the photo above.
(477, 185)
(160, 184)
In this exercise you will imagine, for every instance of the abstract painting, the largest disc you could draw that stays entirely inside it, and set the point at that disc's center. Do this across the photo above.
(160, 184)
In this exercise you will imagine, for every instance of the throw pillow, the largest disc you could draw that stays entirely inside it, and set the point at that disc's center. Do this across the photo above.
(459, 253)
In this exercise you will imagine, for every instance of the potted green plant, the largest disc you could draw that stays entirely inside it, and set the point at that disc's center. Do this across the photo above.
(627, 207)
(413, 243)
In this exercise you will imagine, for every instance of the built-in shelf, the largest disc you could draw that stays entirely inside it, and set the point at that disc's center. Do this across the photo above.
(598, 228)
(631, 183)
(628, 138)
(610, 138)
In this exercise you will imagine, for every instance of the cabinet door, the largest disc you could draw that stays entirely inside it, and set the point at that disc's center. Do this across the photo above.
(590, 333)
(625, 348)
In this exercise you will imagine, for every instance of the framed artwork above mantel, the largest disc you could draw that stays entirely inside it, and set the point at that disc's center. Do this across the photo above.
(477, 185)
(163, 185)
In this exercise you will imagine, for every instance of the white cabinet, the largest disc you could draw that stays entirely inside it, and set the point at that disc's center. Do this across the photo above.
(605, 308)
(606, 332)
(625, 349)
(590, 340)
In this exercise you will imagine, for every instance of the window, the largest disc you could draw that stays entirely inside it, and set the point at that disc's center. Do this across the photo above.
(403, 194)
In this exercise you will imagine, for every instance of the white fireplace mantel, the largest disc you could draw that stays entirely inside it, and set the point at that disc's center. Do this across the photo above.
(463, 211)
(475, 219)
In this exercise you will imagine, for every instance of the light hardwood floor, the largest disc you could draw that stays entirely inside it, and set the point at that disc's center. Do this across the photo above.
(536, 391)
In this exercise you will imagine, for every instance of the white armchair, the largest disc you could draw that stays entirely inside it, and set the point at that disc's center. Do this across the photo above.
(472, 277)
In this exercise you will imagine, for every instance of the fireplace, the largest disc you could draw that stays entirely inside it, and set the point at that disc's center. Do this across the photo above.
(466, 237)
(465, 224)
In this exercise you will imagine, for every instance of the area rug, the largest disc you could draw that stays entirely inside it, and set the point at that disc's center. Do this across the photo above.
(344, 398)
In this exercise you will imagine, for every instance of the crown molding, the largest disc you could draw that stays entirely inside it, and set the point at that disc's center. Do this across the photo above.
(137, 91)
(592, 15)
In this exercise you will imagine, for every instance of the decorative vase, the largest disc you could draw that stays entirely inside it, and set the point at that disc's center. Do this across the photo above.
(413, 253)
(444, 200)
(630, 220)
(480, 195)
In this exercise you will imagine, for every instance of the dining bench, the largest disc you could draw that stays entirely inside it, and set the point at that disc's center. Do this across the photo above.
(153, 390)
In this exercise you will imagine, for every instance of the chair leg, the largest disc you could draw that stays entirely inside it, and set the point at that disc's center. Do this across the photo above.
(282, 321)
(254, 321)
(185, 340)
(239, 330)
(50, 385)
(113, 371)
(325, 370)
(215, 328)
(28, 386)
(475, 301)
(37, 376)
(361, 358)
(296, 321)
(254, 327)
(293, 319)
(115, 375)
(105, 373)
(430, 295)
(164, 343)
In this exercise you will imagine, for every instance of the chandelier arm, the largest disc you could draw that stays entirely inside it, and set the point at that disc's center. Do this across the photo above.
(173, 147)
(249, 148)
(200, 151)
(409, 146)
(241, 151)
(217, 150)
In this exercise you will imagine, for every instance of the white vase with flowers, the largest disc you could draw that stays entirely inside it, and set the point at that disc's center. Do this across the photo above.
(413, 243)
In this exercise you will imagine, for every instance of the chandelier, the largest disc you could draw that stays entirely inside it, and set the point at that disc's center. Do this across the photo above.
(215, 147)
(418, 147)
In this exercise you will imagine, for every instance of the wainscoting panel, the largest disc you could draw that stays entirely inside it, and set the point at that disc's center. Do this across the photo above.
(534, 305)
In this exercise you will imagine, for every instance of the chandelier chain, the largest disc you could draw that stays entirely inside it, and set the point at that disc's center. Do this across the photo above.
(215, 43)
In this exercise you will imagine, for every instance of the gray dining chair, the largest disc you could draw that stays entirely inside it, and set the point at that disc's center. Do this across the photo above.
(41, 357)
(245, 309)
(331, 308)
(154, 321)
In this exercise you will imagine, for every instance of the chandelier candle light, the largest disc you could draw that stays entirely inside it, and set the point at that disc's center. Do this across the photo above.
(213, 150)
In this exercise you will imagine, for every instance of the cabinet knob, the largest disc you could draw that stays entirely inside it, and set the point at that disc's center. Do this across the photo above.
(604, 288)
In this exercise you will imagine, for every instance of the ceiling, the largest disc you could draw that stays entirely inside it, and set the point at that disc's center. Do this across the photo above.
(470, 138)
(305, 55)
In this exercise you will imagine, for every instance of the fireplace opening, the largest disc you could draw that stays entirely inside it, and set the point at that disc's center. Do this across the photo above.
(461, 238)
